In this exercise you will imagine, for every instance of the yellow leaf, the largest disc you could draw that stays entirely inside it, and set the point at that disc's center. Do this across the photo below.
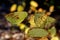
(26, 30)
(40, 10)
(51, 9)
(54, 38)
(22, 26)
(34, 4)
(31, 21)
(13, 7)
(20, 8)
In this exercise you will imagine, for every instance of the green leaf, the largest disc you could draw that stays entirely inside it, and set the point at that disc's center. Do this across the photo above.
(16, 17)
(36, 32)
(43, 21)
(49, 21)
(52, 31)
(38, 19)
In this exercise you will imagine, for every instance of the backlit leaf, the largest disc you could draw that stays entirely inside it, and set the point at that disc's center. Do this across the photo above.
(16, 17)
(36, 32)
(52, 31)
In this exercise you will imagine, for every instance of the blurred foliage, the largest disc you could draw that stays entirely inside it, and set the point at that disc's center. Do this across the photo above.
(36, 32)
(13, 7)
(40, 19)
(16, 17)
(52, 31)
(20, 8)
(38, 16)
(40, 22)
(55, 38)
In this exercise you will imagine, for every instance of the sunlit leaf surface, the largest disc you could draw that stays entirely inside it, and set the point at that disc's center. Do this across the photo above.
(36, 32)
(42, 20)
(20, 8)
(16, 17)
(52, 31)
(38, 19)
(49, 21)
(13, 7)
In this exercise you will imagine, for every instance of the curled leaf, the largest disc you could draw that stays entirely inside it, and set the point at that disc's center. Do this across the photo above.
(26, 30)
